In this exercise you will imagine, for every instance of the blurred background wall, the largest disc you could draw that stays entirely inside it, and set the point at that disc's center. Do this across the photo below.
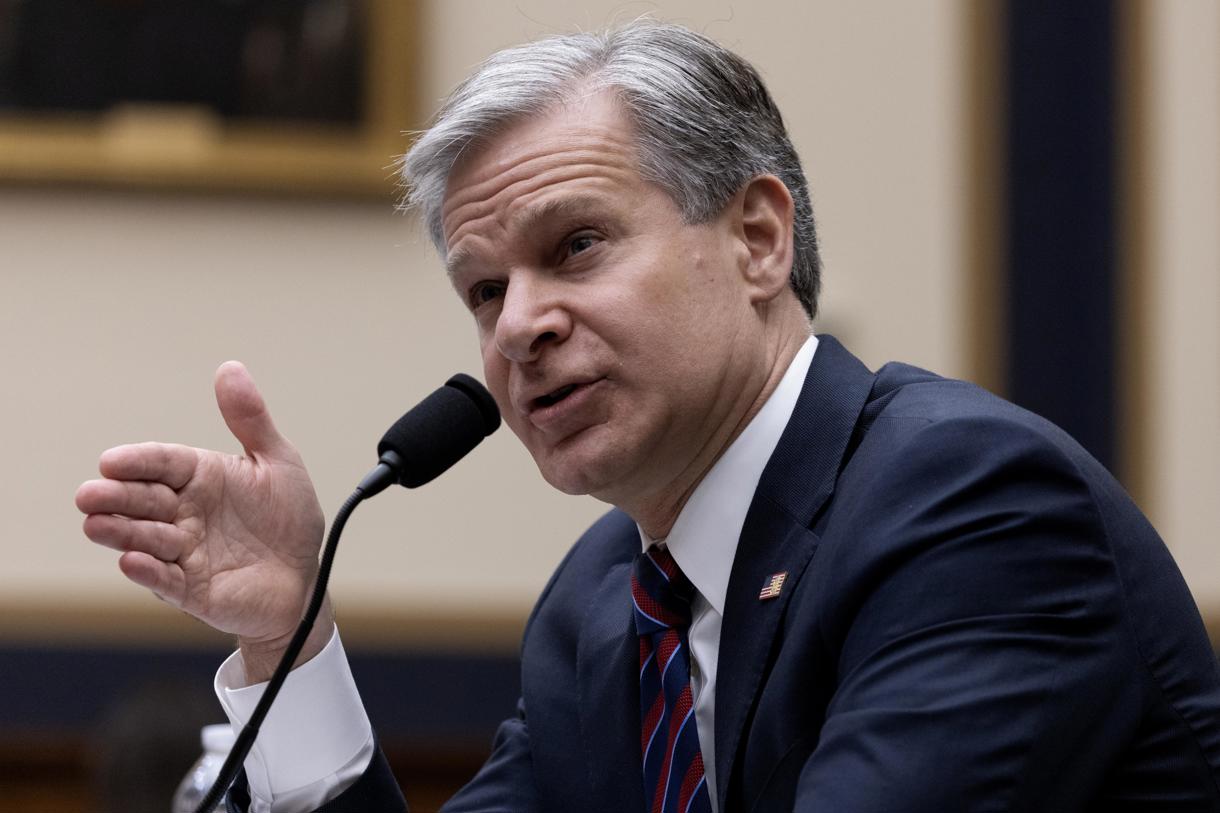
(914, 121)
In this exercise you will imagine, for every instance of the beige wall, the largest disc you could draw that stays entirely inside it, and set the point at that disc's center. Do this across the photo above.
(115, 310)
(1181, 286)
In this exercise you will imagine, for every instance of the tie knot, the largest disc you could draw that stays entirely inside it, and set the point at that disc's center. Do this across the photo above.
(661, 592)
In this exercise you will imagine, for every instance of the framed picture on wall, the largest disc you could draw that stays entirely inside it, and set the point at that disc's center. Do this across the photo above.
(297, 96)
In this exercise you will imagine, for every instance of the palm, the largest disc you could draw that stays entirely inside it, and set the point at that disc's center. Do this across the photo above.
(252, 529)
(232, 540)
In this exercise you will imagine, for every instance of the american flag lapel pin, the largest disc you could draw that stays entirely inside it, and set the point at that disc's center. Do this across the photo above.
(773, 586)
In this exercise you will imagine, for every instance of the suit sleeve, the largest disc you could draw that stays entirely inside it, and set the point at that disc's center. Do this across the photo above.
(505, 783)
(976, 612)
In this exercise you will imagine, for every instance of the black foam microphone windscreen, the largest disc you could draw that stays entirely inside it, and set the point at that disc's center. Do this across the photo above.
(440, 430)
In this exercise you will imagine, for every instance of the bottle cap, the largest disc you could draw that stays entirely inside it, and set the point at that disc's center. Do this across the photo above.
(218, 737)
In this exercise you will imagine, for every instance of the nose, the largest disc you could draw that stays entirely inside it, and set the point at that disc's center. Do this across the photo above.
(532, 316)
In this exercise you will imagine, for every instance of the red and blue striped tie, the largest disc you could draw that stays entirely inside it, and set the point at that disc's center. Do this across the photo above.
(673, 766)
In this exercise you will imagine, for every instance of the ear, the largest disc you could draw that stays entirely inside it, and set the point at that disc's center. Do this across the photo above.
(765, 211)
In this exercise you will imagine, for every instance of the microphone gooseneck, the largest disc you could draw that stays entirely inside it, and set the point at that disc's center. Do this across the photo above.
(422, 444)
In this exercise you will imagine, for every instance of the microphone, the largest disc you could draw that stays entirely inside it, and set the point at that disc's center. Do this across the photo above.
(433, 435)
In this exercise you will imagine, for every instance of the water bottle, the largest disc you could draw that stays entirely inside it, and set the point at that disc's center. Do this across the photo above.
(217, 742)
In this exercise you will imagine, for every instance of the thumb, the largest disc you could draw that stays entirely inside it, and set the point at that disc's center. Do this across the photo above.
(245, 412)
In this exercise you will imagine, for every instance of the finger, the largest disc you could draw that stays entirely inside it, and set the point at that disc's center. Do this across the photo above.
(245, 412)
(165, 542)
(165, 579)
(167, 463)
(132, 498)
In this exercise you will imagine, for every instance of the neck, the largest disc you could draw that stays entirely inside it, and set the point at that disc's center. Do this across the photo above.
(657, 512)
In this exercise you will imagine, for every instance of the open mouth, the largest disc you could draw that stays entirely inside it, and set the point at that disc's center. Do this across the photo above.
(550, 399)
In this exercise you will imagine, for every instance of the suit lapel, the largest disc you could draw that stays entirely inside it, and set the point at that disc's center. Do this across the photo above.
(607, 658)
(797, 481)
(771, 544)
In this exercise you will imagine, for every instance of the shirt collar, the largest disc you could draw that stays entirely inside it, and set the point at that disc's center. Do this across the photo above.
(703, 540)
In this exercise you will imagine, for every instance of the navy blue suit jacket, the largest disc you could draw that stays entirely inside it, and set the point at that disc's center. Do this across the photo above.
(976, 617)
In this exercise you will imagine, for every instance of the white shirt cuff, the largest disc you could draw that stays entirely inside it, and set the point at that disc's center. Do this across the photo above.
(315, 742)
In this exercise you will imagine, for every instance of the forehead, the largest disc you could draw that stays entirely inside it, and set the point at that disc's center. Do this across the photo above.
(586, 142)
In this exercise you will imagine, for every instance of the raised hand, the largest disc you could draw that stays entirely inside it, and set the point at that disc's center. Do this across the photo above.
(232, 540)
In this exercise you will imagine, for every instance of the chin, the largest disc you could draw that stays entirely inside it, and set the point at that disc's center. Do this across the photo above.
(600, 462)
(568, 478)
(593, 472)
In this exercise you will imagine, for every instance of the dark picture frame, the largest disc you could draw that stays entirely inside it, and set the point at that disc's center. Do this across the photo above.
(305, 144)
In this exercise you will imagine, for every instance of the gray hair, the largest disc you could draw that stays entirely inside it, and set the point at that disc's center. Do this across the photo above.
(705, 123)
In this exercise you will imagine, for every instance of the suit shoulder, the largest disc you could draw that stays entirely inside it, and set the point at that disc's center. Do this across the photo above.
(935, 459)
(611, 540)
(613, 537)
(913, 406)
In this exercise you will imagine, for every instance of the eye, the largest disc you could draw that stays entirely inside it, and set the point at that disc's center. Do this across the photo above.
(483, 292)
(580, 243)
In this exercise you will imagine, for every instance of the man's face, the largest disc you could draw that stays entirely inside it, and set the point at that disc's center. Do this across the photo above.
(607, 324)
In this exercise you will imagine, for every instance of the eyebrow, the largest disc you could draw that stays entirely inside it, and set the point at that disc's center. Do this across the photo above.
(534, 217)
(566, 208)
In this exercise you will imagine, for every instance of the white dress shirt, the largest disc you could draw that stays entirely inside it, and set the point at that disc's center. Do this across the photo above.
(317, 740)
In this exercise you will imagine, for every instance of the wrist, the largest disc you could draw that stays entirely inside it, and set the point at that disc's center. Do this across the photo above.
(261, 657)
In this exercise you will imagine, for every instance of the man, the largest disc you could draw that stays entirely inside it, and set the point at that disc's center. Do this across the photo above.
(820, 587)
